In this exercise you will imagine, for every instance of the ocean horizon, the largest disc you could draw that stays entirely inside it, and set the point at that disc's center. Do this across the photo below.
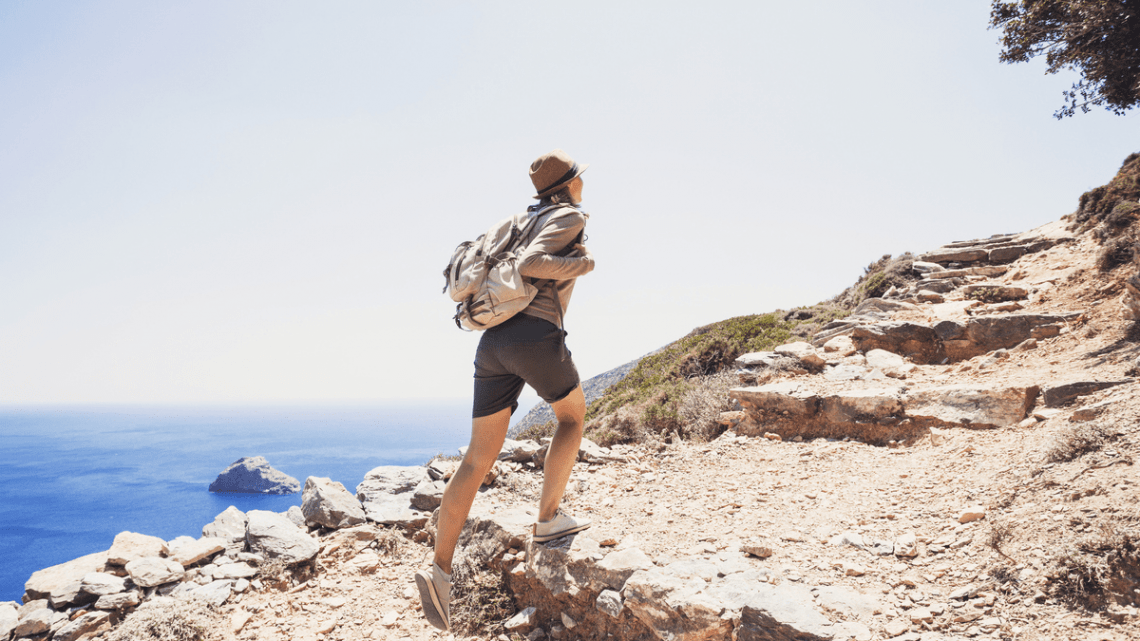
(74, 476)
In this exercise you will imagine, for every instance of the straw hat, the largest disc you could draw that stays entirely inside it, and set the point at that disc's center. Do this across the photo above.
(553, 171)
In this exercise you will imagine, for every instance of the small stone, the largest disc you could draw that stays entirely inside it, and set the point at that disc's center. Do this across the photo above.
(853, 569)
(522, 620)
(568, 622)
(1029, 422)
(973, 513)
(895, 627)
(609, 602)
(756, 548)
(906, 545)
(920, 615)
(391, 617)
(324, 627)
(772, 436)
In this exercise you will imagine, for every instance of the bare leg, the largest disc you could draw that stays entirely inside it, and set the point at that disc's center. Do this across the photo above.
(487, 434)
(563, 452)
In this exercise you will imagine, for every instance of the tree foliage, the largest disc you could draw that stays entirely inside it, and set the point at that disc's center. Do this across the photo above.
(1099, 39)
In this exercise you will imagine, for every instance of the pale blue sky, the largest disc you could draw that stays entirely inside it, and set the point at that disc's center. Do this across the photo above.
(253, 201)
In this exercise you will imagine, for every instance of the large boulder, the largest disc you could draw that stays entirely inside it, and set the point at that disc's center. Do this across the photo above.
(102, 584)
(8, 619)
(275, 536)
(325, 502)
(254, 475)
(41, 583)
(387, 493)
(34, 622)
(229, 525)
(129, 546)
(82, 625)
(192, 551)
(150, 571)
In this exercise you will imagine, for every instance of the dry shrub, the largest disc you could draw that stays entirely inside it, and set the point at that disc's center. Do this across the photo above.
(167, 619)
(480, 600)
(701, 405)
(1098, 569)
(623, 426)
(998, 534)
(1076, 441)
(1115, 252)
(391, 543)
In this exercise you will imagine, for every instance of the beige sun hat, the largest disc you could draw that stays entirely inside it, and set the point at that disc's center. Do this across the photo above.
(553, 171)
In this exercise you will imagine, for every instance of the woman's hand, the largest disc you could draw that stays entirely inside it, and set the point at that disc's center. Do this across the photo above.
(583, 252)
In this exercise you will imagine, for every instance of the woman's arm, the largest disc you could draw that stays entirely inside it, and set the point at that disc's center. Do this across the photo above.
(538, 260)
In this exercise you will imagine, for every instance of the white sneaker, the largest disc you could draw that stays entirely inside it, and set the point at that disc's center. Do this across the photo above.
(559, 526)
(435, 596)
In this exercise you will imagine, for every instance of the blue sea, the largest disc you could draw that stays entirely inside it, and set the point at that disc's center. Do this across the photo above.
(73, 477)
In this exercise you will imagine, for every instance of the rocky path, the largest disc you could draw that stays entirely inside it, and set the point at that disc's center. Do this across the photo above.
(941, 465)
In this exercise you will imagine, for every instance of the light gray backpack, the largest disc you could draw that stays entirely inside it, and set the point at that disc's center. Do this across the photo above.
(483, 275)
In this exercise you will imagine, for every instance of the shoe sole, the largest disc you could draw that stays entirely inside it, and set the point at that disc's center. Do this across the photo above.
(543, 538)
(430, 601)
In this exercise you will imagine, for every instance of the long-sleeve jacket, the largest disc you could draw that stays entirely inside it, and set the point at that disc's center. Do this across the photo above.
(546, 258)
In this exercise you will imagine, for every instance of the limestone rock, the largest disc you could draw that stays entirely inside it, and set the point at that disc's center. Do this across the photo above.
(906, 545)
(428, 494)
(215, 592)
(851, 602)
(610, 603)
(521, 621)
(674, 608)
(117, 601)
(188, 553)
(841, 345)
(325, 502)
(82, 625)
(772, 612)
(955, 255)
(973, 513)
(387, 492)
(969, 405)
(591, 452)
(275, 536)
(69, 594)
(862, 405)
(890, 363)
(42, 582)
(129, 546)
(102, 584)
(37, 621)
(917, 342)
(235, 571)
(756, 548)
(229, 525)
(254, 475)
(487, 535)
(295, 515)
(1058, 395)
(8, 619)
(151, 571)
(802, 351)
(518, 451)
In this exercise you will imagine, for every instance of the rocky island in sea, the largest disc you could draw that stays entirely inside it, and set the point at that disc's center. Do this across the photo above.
(254, 475)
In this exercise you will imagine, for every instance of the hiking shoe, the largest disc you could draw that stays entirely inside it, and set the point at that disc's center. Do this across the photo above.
(559, 526)
(435, 596)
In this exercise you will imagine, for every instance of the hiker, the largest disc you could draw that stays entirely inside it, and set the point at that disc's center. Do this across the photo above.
(528, 348)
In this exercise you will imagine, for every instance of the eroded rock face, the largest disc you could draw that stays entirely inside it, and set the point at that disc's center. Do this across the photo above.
(1058, 395)
(254, 475)
(275, 536)
(916, 342)
(326, 502)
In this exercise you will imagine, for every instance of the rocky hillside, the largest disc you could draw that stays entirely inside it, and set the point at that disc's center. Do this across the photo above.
(951, 458)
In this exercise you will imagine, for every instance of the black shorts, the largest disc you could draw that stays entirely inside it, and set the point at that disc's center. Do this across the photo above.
(523, 350)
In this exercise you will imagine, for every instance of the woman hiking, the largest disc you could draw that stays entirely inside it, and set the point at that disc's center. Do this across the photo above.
(529, 348)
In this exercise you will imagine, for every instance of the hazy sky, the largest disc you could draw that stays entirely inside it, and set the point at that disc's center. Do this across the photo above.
(254, 200)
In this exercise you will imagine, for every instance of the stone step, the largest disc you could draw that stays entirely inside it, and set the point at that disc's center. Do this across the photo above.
(878, 415)
(992, 253)
(948, 341)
